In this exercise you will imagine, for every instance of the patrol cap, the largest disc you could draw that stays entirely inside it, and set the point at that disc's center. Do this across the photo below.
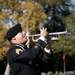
(13, 31)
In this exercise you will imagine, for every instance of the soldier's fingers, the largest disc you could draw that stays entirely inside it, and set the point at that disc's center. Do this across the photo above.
(40, 29)
(45, 28)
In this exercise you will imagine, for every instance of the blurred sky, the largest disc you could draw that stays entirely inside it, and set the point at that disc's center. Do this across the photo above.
(73, 1)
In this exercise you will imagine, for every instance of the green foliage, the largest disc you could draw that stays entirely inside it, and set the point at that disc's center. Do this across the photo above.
(64, 44)
(70, 23)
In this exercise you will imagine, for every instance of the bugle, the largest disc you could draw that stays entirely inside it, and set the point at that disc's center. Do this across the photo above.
(55, 35)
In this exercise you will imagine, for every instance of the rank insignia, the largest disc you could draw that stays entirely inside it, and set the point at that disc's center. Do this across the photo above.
(18, 51)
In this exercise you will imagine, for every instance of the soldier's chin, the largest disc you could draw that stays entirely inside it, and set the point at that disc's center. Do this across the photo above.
(25, 42)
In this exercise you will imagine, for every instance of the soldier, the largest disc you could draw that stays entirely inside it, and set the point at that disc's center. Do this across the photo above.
(22, 60)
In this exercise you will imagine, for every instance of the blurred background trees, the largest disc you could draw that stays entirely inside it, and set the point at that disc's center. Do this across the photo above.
(56, 15)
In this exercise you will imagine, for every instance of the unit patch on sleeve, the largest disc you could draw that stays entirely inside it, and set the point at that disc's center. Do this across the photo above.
(35, 46)
(18, 51)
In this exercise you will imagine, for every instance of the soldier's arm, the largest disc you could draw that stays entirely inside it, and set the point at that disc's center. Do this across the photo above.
(47, 53)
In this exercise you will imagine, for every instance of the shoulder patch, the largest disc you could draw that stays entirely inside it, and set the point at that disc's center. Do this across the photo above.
(35, 46)
(18, 51)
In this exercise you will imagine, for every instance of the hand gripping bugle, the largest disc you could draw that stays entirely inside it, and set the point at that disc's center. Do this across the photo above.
(55, 35)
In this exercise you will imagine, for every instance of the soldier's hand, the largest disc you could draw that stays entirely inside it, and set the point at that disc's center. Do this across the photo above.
(43, 32)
